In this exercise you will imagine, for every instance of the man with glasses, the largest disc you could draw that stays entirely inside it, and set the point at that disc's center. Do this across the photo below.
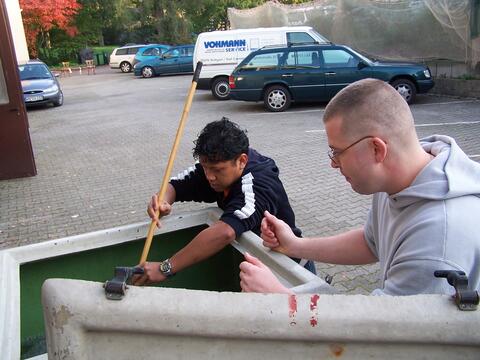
(425, 207)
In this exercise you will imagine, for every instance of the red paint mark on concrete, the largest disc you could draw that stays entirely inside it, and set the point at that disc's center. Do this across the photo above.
(292, 305)
(314, 301)
(313, 309)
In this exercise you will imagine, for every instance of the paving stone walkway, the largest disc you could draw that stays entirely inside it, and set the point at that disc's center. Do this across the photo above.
(102, 155)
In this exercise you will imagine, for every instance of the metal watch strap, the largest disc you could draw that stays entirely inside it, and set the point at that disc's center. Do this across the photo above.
(166, 268)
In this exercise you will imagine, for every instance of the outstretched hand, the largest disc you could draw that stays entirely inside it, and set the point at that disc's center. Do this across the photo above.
(164, 208)
(257, 277)
(276, 234)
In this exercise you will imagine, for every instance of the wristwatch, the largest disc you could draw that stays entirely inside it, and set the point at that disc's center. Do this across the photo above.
(166, 268)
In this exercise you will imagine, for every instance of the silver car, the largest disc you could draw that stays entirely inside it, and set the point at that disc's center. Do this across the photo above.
(39, 85)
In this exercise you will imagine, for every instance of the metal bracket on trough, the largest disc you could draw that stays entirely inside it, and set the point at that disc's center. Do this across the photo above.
(466, 300)
(115, 289)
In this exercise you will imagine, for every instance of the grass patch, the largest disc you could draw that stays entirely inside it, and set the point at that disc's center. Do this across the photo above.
(103, 49)
(468, 77)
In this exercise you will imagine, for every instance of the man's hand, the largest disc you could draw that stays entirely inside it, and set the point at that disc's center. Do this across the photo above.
(151, 274)
(154, 206)
(256, 277)
(277, 235)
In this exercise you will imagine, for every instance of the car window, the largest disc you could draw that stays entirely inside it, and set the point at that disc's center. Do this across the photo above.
(34, 71)
(133, 50)
(172, 53)
(188, 51)
(338, 58)
(152, 52)
(302, 59)
(299, 37)
(121, 52)
(264, 61)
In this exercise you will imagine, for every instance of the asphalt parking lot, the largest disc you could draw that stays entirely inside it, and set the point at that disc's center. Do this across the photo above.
(102, 155)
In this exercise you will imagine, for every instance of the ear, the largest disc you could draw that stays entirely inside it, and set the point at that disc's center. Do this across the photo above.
(242, 160)
(380, 149)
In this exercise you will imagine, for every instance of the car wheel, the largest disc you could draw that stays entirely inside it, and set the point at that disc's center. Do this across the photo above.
(59, 101)
(147, 72)
(405, 88)
(125, 67)
(220, 89)
(277, 98)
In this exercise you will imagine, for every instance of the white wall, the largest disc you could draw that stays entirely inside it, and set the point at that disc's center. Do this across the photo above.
(18, 33)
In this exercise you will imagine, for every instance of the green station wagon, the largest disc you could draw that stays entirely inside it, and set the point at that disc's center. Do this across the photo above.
(280, 75)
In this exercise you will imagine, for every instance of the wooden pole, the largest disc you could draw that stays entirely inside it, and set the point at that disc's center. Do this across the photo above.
(173, 153)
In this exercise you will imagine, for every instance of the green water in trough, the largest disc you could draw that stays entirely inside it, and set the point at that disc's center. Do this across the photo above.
(219, 273)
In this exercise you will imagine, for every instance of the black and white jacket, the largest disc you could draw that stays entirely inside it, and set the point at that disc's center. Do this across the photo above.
(258, 189)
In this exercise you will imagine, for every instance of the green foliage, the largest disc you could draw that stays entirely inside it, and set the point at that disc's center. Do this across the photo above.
(103, 49)
(208, 15)
(102, 22)
(55, 56)
(95, 18)
(468, 77)
(63, 48)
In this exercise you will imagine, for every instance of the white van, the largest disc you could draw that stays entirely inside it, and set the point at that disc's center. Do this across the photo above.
(221, 51)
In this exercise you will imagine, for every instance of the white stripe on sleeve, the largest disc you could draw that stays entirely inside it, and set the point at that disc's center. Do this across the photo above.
(247, 188)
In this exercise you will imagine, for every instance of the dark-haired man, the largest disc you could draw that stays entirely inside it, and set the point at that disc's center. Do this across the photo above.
(244, 184)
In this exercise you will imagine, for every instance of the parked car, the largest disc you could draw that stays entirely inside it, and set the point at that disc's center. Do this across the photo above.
(149, 52)
(280, 75)
(221, 51)
(122, 57)
(178, 59)
(39, 85)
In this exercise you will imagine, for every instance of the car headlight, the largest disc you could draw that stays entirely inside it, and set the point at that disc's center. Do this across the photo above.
(51, 89)
(427, 74)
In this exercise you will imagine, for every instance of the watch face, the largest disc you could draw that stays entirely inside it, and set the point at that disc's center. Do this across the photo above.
(165, 266)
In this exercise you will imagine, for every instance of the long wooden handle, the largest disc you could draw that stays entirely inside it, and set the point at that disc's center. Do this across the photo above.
(173, 153)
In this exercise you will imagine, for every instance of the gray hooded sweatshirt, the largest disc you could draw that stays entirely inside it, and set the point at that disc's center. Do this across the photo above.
(434, 224)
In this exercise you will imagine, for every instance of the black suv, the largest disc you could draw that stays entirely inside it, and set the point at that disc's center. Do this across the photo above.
(280, 75)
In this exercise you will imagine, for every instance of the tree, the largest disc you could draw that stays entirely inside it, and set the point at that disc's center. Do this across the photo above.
(39, 17)
(94, 18)
(161, 21)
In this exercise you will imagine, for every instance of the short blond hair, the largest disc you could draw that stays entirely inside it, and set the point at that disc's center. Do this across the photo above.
(372, 107)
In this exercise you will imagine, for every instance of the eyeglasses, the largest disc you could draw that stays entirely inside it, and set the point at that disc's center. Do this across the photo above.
(334, 154)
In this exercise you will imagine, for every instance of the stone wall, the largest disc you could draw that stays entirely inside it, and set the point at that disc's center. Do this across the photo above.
(457, 87)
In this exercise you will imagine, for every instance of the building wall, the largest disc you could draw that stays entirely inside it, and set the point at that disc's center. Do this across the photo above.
(18, 33)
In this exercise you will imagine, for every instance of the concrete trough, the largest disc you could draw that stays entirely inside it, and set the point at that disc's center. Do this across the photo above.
(93, 256)
(166, 323)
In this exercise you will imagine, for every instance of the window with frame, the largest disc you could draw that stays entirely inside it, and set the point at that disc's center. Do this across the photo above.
(121, 52)
(172, 53)
(132, 51)
(152, 52)
(338, 58)
(4, 99)
(302, 59)
(299, 38)
(265, 61)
